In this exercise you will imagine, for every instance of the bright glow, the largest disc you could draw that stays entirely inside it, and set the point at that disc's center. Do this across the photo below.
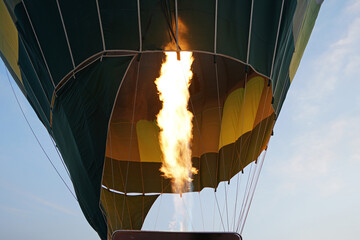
(175, 121)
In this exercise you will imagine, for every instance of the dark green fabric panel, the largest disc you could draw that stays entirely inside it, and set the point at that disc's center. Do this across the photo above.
(199, 20)
(281, 76)
(233, 28)
(126, 212)
(280, 94)
(155, 23)
(263, 34)
(36, 95)
(80, 120)
(120, 24)
(82, 27)
(284, 52)
(28, 40)
(41, 110)
(286, 48)
(145, 177)
(46, 20)
(138, 177)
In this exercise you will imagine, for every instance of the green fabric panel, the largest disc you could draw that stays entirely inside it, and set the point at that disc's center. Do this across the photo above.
(281, 91)
(27, 37)
(120, 24)
(32, 99)
(46, 20)
(80, 120)
(285, 45)
(199, 20)
(126, 212)
(233, 28)
(284, 53)
(263, 34)
(154, 23)
(82, 27)
(145, 177)
(33, 87)
(133, 174)
(304, 35)
(37, 100)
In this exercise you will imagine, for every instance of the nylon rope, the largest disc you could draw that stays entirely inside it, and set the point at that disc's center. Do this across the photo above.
(218, 98)
(177, 28)
(139, 22)
(157, 215)
(277, 38)
(38, 141)
(55, 146)
(221, 142)
(100, 25)
(58, 153)
(253, 192)
(203, 150)
(66, 36)
(257, 138)
(257, 174)
(246, 79)
(131, 132)
(109, 129)
(241, 139)
(245, 192)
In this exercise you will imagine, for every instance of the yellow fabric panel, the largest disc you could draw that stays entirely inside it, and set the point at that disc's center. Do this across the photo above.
(265, 107)
(148, 141)
(118, 142)
(240, 111)
(9, 45)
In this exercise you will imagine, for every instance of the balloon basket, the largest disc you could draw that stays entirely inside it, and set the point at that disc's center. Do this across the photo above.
(159, 235)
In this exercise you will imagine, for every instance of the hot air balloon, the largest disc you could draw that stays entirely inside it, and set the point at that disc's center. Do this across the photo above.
(88, 69)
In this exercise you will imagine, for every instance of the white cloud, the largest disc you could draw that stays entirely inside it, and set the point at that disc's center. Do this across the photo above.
(13, 210)
(339, 61)
(32, 200)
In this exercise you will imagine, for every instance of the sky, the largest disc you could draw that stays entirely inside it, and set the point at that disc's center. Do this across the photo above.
(309, 186)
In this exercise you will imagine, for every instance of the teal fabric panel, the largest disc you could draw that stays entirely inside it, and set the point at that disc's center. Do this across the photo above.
(46, 20)
(199, 20)
(281, 91)
(156, 20)
(82, 27)
(284, 52)
(80, 121)
(40, 110)
(285, 46)
(120, 24)
(35, 94)
(233, 28)
(263, 34)
(27, 37)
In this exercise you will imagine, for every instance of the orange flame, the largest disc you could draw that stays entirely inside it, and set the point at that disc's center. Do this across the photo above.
(175, 121)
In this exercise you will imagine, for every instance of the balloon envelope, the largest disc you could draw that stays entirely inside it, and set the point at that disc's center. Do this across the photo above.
(88, 70)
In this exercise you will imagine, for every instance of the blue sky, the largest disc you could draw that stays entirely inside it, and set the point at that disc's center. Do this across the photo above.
(309, 183)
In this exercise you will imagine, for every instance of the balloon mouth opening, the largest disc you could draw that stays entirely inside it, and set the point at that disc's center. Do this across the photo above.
(134, 156)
